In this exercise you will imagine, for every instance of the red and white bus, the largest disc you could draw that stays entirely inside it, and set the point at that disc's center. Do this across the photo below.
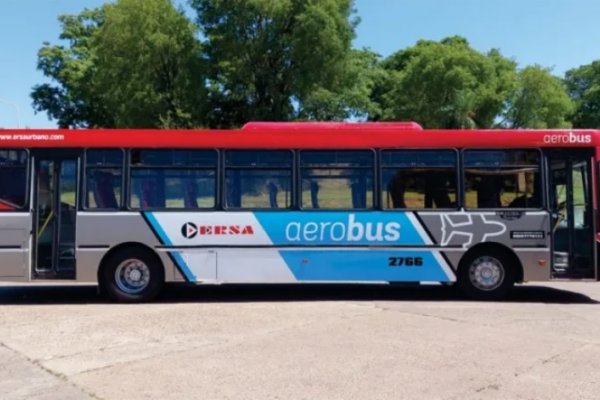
(298, 202)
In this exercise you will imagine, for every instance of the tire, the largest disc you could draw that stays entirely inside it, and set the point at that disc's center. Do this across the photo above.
(132, 275)
(486, 275)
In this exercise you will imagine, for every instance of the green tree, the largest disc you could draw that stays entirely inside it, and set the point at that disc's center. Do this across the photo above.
(445, 84)
(358, 80)
(72, 101)
(147, 62)
(583, 84)
(540, 101)
(279, 59)
(133, 63)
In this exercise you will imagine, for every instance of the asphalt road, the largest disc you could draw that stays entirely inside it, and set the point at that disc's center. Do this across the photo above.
(301, 342)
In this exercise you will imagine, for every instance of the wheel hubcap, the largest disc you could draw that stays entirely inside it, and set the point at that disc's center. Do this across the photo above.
(486, 273)
(132, 276)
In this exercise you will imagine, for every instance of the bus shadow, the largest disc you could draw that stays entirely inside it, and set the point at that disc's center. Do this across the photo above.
(52, 294)
(362, 292)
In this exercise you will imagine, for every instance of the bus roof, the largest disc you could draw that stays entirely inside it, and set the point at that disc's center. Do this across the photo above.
(303, 135)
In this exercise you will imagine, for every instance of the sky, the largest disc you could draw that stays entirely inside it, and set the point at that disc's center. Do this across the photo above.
(559, 34)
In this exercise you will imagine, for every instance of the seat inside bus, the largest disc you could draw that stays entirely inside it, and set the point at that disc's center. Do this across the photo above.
(104, 190)
(152, 194)
(190, 194)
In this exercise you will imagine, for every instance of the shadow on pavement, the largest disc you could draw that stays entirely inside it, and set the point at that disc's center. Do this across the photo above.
(289, 293)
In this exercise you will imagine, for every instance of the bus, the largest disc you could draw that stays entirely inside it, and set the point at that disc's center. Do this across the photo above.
(133, 210)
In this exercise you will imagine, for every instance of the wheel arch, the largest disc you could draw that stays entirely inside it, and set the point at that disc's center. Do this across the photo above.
(492, 248)
(120, 247)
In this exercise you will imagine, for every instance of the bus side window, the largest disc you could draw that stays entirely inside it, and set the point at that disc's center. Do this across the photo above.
(103, 178)
(258, 179)
(502, 178)
(173, 179)
(13, 179)
(341, 179)
(419, 179)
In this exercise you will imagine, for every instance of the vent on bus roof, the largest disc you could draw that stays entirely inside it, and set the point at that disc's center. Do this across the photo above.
(301, 126)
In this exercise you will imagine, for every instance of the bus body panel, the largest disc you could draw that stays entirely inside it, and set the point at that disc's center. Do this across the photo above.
(98, 232)
(512, 228)
(15, 229)
(536, 264)
(259, 265)
(306, 136)
(317, 246)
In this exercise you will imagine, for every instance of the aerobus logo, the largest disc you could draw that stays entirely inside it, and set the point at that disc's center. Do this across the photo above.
(570, 138)
(349, 229)
(189, 230)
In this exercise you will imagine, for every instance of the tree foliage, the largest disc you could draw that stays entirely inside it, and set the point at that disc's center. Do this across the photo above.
(540, 101)
(445, 84)
(143, 63)
(72, 101)
(583, 84)
(134, 63)
(354, 99)
(280, 59)
(147, 65)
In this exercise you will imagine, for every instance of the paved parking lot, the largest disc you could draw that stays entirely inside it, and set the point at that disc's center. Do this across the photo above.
(301, 342)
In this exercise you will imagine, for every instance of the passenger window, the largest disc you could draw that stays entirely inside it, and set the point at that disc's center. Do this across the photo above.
(502, 179)
(337, 179)
(103, 179)
(258, 178)
(13, 180)
(184, 179)
(419, 179)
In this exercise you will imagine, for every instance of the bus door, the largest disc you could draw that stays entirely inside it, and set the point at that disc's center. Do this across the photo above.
(55, 207)
(570, 201)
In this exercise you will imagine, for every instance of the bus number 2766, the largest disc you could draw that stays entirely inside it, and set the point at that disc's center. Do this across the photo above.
(405, 261)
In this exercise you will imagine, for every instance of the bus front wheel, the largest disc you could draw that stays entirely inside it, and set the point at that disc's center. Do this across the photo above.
(132, 275)
(486, 275)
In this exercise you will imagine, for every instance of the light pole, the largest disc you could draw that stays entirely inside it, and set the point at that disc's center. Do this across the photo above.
(16, 106)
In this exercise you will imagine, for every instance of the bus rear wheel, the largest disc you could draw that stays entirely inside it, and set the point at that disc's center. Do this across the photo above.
(486, 275)
(132, 275)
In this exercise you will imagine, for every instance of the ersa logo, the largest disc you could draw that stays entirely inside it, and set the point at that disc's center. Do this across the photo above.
(189, 230)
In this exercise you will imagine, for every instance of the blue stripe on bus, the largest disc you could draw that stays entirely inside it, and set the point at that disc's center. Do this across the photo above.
(183, 267)
(164, 238)
(364, 265)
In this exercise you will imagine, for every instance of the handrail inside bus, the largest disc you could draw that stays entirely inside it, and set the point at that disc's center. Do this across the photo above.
(45, 224)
